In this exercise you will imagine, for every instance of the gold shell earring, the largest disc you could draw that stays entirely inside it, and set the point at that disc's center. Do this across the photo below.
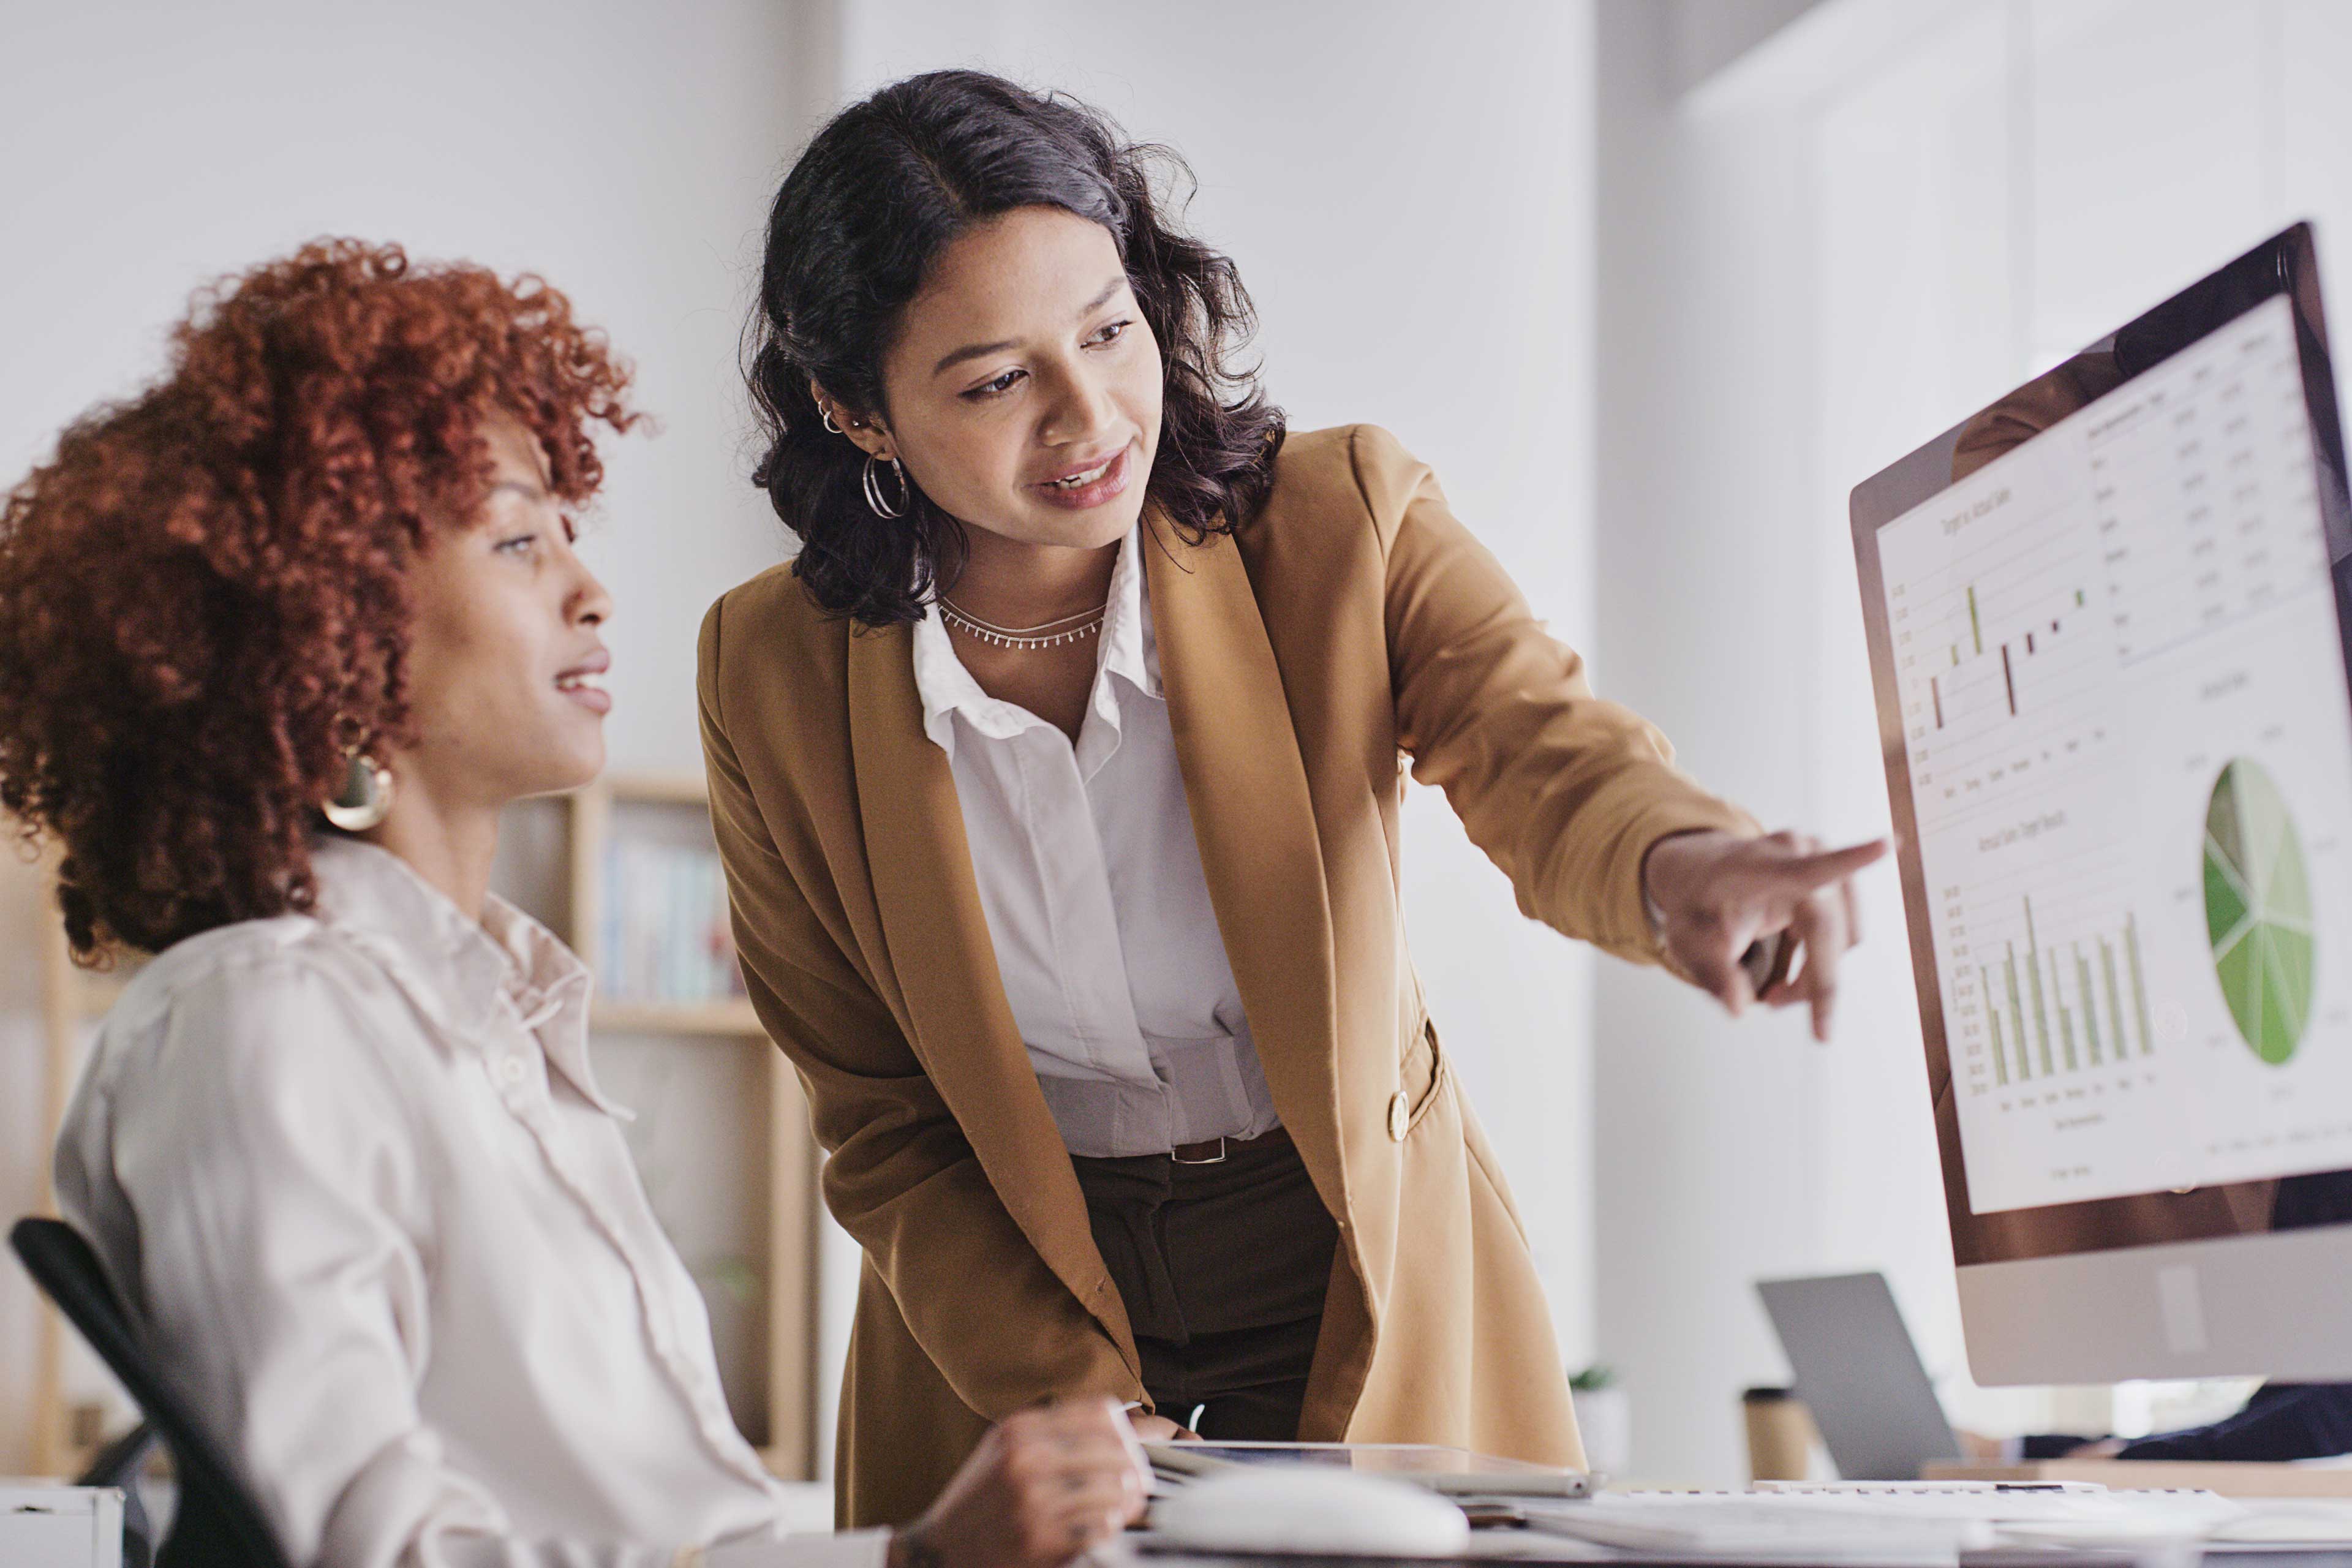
(366, 799)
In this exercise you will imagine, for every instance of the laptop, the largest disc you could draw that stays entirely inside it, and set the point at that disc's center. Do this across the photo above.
(1859, 1372)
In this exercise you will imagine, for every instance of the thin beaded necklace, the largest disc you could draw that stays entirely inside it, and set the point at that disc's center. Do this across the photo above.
(1045, 634)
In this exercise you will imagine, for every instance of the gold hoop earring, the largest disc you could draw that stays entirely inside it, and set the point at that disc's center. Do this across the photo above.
(366, 799)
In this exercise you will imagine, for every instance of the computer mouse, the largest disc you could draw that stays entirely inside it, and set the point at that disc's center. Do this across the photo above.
(1311, 1509)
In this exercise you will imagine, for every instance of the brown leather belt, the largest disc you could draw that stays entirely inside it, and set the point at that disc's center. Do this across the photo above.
(1209, 1152)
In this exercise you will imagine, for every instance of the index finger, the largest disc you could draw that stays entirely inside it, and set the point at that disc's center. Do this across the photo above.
(1836, 865)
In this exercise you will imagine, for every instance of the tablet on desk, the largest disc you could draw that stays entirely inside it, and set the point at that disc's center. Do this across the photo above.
(1456, 1472)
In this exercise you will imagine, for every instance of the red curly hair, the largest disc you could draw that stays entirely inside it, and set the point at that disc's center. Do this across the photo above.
(203, 594)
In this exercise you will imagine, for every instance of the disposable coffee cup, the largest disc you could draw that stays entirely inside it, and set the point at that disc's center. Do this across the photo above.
(1779, 1435)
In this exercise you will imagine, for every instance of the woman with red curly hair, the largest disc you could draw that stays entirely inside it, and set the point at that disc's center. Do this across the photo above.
(279, 641)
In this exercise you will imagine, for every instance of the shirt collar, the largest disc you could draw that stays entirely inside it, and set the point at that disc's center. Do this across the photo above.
(461, 972)
(1126, 647)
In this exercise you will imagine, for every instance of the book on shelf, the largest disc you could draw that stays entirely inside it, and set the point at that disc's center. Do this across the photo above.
(665, 933)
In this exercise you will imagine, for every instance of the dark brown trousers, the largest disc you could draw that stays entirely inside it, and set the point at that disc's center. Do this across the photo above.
(1223, 1268)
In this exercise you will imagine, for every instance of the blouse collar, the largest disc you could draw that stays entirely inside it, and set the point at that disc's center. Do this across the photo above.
(1126, 649)
(461, 973)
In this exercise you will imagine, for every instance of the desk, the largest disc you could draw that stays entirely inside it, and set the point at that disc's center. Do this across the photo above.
(1142, 1553)
(1934, 1529)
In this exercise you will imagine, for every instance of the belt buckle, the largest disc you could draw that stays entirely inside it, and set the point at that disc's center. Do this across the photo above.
(1177, 1154)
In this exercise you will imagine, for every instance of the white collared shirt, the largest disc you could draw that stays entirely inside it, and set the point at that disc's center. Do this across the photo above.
(1096, 902)
(352, 1171)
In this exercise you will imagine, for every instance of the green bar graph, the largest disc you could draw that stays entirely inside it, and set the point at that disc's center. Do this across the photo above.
(2139, 990)
(2115, 998)
(1992, 1014)
(2090, 1013)
(2033, 964)
(1976, 627)
(2017, 1018)
(2093, 1030)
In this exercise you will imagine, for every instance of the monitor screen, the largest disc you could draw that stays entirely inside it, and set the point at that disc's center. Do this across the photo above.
(2107, 619)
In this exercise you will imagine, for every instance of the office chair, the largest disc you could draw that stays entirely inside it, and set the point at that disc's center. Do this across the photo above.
(118, 1466)
(217, 1524)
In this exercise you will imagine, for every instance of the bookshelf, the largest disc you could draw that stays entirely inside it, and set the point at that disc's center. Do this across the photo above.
(735, 1179)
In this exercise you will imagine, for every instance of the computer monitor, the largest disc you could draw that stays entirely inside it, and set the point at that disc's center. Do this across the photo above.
(2108, 621)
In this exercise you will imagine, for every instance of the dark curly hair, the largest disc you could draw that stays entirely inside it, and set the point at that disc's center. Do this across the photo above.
(874, 198)
(203, 594)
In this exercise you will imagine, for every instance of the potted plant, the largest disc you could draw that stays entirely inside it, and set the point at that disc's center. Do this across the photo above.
(1604, 1414)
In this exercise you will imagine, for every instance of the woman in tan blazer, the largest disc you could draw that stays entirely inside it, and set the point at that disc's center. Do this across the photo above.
(1058, 782)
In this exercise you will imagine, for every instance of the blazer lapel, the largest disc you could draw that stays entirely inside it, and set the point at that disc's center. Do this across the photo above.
(939, 955)
(1255, 823)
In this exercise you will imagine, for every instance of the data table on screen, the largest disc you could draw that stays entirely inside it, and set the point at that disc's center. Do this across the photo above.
(2129, 748)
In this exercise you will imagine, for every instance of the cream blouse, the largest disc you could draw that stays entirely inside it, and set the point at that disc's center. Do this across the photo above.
(353, 1172)
(1096, 906)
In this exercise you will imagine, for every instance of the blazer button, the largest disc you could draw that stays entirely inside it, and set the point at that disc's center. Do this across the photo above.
(1400, 1117)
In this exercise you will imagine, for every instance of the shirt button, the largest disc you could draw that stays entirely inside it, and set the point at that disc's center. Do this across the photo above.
(511, 1070)
(1400, 1117)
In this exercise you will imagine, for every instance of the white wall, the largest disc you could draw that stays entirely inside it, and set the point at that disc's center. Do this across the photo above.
(625, 150)
(1710, 1136)
(1870, 226)
(1706, 37)
(1408, 197)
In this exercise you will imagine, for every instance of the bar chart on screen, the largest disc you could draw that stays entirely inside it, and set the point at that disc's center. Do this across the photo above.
(2004, 676)
(2125, 723)
(2086, 996)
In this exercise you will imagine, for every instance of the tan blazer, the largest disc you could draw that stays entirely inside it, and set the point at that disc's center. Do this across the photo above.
(1353, 625)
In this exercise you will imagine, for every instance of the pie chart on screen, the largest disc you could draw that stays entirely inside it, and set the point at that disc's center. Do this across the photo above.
(2258, 911)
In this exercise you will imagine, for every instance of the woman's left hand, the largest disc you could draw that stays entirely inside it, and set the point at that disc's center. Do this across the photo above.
(1715, 893)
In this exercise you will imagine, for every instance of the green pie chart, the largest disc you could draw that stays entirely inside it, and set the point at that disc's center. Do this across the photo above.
(2258, 911)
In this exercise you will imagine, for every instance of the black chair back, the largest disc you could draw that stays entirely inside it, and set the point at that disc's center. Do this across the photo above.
(216, 1524)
